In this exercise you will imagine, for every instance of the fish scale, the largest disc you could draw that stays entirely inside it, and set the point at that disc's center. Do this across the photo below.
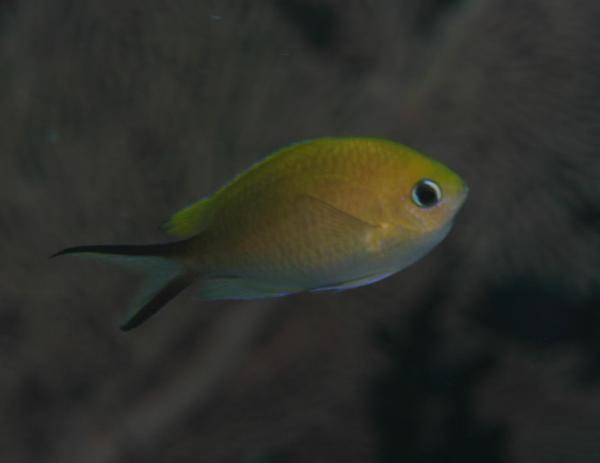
(324, 214)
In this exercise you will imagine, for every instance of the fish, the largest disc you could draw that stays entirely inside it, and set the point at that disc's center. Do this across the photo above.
(327, 214)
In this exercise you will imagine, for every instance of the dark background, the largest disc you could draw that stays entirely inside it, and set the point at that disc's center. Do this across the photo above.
(114, 114)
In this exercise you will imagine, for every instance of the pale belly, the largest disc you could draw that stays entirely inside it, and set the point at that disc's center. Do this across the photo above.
(287, 270)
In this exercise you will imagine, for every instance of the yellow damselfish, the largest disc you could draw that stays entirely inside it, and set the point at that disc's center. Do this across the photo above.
(324, 214)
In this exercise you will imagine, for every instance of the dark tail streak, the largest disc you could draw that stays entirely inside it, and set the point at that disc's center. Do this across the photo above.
(157, 302)
(121, 249)
(171, 288)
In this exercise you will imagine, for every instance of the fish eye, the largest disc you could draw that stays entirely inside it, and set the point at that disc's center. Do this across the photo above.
(426, 193)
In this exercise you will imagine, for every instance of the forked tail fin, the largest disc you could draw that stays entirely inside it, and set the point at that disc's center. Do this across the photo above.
(166, 276)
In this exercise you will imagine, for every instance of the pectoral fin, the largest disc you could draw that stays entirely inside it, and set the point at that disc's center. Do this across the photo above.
(333, 218)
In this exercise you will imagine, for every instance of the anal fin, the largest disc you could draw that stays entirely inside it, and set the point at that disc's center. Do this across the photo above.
(355, 283)
(240, 289)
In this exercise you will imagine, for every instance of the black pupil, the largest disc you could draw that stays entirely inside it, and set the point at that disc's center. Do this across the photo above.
(426, 194)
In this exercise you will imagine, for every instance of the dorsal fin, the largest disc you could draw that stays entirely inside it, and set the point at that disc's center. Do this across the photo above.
(190, 220)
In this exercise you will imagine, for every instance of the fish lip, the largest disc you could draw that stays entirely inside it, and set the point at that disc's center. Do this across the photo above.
(465, 193)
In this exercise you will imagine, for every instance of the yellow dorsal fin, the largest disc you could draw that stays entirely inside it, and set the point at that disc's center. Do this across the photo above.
(190, 220)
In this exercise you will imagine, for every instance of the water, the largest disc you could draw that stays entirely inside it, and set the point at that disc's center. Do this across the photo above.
(116, 114)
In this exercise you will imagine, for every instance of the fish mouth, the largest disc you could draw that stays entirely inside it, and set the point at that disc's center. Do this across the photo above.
(465, 188)
(461, 196)
(465, 192)
(464, 195)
